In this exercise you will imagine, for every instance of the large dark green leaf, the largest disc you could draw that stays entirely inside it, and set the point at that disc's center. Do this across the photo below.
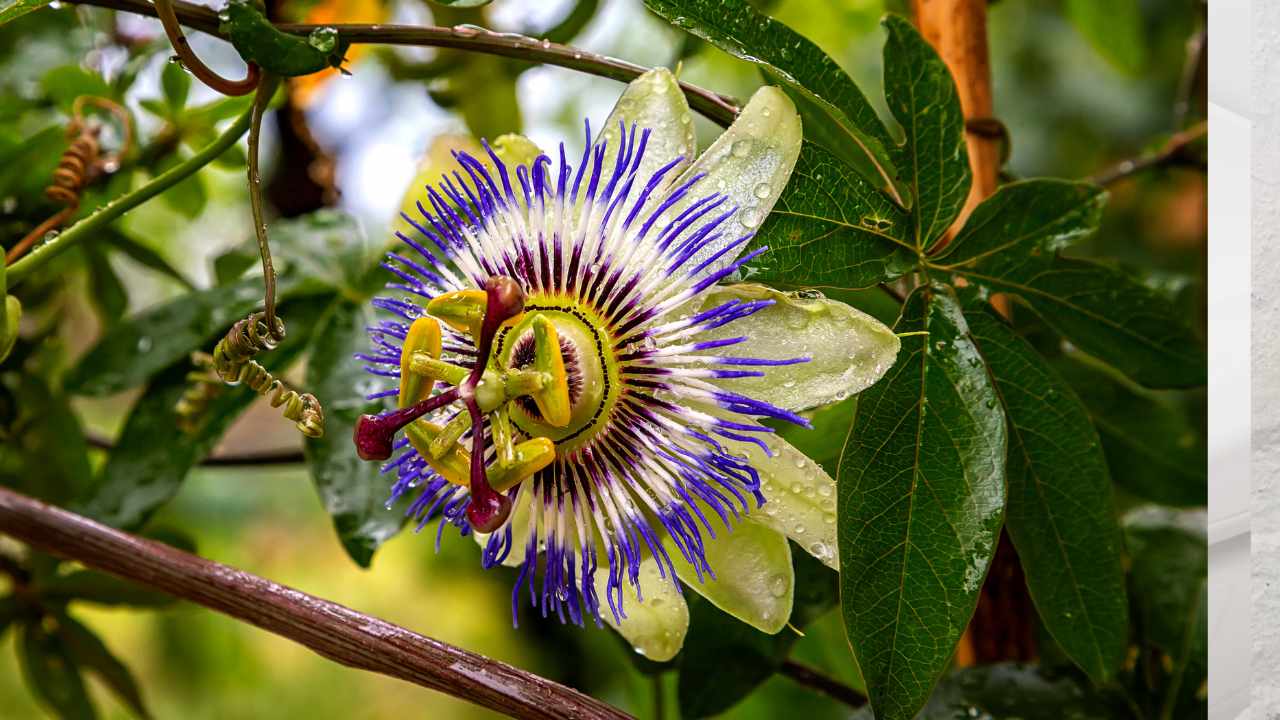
(91, 654)
(934, 162)
(154, 339)
(830, 227)
(921, 495)
(353, 491)
(1007, 691)
(1060, 513)
(53, 674)
(1012, 248)
(1153, 449)
(152, 457)
(724, 660)
(835, 112)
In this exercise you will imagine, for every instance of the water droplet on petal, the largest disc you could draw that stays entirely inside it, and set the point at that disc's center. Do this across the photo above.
(762, 190)
(740, 148)
(778, 585)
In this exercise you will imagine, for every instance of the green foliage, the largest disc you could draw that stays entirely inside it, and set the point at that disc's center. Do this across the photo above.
(353, 491)
(1059, 513)
(921, 499)
(1019, 422)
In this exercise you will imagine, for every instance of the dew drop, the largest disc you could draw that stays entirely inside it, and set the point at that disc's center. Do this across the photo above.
(144, 344)
(762, 190)
(829, 518)
(750, 217)
(797, 488)
(798, 529)
(778, 585)
(740, 148)
(824, 490)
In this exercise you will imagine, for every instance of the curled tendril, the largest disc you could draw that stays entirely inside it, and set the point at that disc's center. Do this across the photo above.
(232, 363)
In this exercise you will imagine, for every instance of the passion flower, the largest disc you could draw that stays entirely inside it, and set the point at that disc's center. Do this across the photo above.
(579, 388)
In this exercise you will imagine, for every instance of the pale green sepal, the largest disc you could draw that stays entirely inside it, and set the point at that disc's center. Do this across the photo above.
(654, 102)
(754, 581)
(655, 627)
(750, 163)
(848, 350)
(800, 497)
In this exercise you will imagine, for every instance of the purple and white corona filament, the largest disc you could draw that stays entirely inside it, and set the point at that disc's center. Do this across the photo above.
(613, 254)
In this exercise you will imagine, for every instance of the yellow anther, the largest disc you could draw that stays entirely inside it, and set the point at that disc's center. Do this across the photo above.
(423, 338)
(530, 456)
(553, 399)
(454, 466)
(462, 310)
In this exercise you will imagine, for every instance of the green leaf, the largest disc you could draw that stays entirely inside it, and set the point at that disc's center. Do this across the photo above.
(1060, 514)
(14, 9)
(141, 474)
(831, 227)
(10, 610)
(934, 162)
(1153, 449)
(836, 113)
(175, 82)
(353, 491)
(724, 660)
(144, 255)
(1012, 248)
(327, 246)
(921, 494)
(102, 589)
(90, 653)
(1008, 691)
(1114, 29)
(106, 291)
(67, 82)
(53, 673)
(152, 340)
(156, 107)
(189, 196)
(47, 456)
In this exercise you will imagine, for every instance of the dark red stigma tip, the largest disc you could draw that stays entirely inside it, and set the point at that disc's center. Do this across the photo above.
(373, 437)
(488, 510)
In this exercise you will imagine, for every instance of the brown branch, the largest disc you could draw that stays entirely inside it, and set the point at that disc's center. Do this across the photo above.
(816, 680)
(331, 630)
(1174, 152)
(716, 107)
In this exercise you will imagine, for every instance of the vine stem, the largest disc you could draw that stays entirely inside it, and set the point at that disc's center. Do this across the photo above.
(1173, 152)
(331, 630)
(714, 106)
(816, 680)
(86, 227)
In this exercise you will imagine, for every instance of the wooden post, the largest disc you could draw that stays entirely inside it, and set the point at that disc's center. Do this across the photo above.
(957, 29)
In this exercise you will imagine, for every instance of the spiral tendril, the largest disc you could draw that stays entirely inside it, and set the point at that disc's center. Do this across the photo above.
(232, 363)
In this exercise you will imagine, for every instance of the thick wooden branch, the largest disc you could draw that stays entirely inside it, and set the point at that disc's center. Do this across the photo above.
(331, 630)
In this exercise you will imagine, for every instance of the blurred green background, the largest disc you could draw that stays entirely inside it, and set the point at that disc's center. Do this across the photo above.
(1071, 107)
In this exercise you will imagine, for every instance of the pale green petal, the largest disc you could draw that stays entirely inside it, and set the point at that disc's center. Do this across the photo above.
(655, 627)
(848, 350)
(800, 497)
(653, 101)
(753, 581)
(750, 163)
